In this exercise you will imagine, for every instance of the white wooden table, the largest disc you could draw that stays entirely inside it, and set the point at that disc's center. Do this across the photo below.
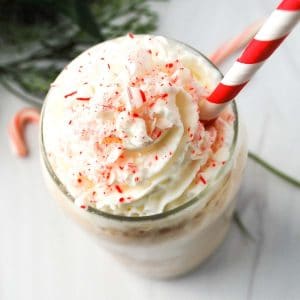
(43, 255)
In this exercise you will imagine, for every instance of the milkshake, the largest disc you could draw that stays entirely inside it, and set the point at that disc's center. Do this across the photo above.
(125, 154)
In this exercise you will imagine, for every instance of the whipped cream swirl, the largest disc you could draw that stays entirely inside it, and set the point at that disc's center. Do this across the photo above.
(122, 126)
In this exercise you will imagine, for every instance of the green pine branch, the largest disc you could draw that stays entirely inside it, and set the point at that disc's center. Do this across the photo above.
(275, 171)
(56, 32)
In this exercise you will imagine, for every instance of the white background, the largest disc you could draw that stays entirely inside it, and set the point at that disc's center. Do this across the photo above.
(43, 255)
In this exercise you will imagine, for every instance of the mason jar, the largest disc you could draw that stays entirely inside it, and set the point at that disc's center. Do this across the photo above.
(170, 243)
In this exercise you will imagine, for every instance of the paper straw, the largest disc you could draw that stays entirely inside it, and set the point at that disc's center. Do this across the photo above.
(275, 29)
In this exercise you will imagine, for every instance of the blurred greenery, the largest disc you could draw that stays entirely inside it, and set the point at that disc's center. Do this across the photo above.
(38, 37)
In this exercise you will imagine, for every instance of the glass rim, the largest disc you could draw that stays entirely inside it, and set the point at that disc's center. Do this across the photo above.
(160, 215)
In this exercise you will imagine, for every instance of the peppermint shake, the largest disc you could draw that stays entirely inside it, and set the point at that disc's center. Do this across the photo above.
(125, 153)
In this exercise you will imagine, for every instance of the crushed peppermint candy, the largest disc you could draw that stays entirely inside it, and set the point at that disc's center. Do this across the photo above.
(122, 125)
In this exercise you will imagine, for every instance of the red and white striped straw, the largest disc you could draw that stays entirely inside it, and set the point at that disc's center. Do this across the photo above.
(275, 29)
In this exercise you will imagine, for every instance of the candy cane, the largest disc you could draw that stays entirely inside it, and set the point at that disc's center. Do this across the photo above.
(17, 126)
(236, 43)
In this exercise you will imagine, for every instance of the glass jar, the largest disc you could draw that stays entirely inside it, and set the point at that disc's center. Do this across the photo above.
(171, 243)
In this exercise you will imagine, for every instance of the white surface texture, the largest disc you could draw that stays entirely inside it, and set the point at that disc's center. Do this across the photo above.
(43, 255)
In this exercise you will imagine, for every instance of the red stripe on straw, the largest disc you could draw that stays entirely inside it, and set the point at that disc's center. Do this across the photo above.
(258, 51)
(224, 93)
(289, 5)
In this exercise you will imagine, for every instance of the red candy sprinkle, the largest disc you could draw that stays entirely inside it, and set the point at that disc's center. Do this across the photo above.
(70, 94)
(143, 96)
(83, 206)
(83, 98)
(169, 65)
(131, 35)
(118, 189)
(121, 200)
(156, 157)
(202, 179)
(156, 133)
